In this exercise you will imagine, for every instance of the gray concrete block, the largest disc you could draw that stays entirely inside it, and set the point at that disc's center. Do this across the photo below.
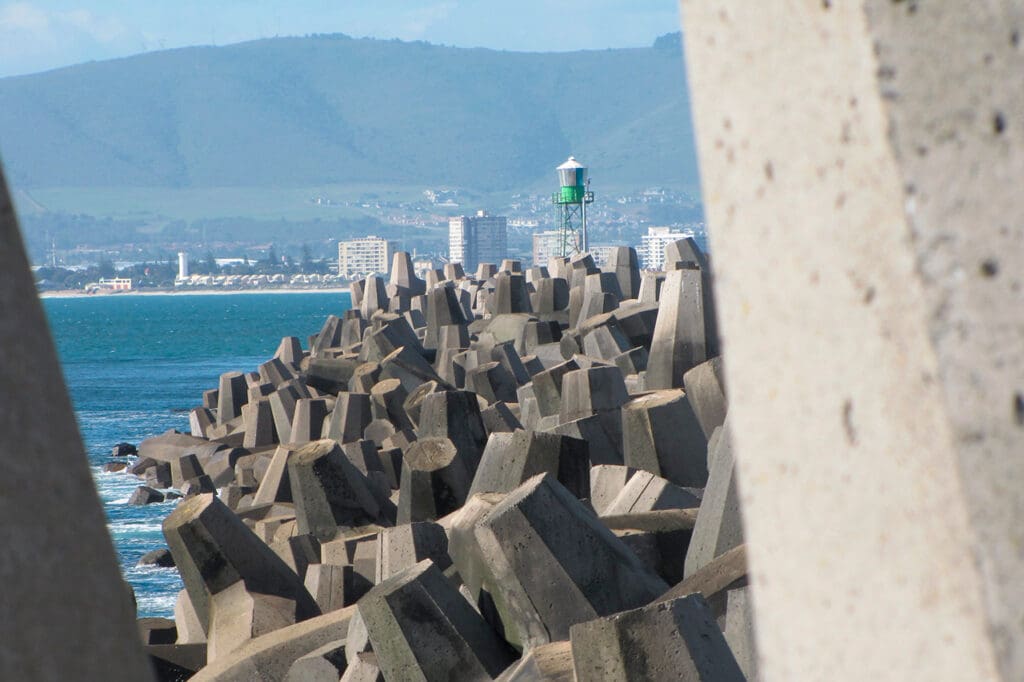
(404, 546)
(258, 418)
(679, 336)
(269, 657)
(665, 642)
(549, 563)
(720, 522)
(435, 480)
(232, 393)
(328, 490)
(215, 552)
(351, 415)
(544, 663)
(493, 382)
(510, 459)
(661, 434)
(739, 631)
(606, 482)
(705, 388)
(646, 492)
(308, 421)
(421, 628)
(592, 391)
(455, 415)
(324, 664)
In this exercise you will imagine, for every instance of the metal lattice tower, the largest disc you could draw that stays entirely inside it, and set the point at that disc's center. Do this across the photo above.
(571, 207)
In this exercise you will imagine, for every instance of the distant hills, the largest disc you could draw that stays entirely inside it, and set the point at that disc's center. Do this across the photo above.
(330, 109)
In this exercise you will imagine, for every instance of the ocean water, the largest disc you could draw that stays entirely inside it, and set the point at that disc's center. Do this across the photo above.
(136, 365)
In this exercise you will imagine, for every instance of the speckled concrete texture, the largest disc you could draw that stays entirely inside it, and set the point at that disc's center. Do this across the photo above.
(861, 164)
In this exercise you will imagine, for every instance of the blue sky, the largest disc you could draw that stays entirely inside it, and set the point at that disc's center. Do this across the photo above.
(36, 35)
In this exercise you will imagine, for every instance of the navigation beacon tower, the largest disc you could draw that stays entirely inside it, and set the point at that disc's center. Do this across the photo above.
(571, 207)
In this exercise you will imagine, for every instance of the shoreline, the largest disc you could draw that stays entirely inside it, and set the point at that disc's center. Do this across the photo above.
(191, 292)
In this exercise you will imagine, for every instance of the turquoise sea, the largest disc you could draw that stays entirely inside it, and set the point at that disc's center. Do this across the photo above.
(136, 365)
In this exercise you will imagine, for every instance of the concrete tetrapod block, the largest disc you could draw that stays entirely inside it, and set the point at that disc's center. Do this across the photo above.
(678, 343)
(258, 417)
(545, 663)
(551, 295)
(308, 422)
(719, 525)
(675, 641)
(462, 546)
(282, 405)
(186, 621)
(329, 337)
(498, 418)
(661, 434)
(388, 402)
(421, 628)
(375, 296)
(325, 664)
(404, 546)
(915, 409)
(435, 480)
(646, 492)
(330, 585)
(705, 389)
(549, 564)
(276, 371)
(714, 580)
(275, 486)
(232, 394)
(289, 351)
(591, 391)
(511, 458)
(547, 387)
(268, 658)
(493, 382)
(739, 631)
(687, 253)
(330, 375)
(236, 584)
(606, 482)
(623, 262)
(404, 275)
(602, 432)
(455, 415)
(329, 491)
(352, 413)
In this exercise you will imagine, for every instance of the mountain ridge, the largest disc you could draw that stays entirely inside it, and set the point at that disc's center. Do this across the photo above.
(330, 109)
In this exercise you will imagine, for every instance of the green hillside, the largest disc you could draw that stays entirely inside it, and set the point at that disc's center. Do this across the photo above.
(334, 111)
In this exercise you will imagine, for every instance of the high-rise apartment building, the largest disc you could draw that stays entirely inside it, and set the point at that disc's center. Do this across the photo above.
(361, 257)
(545, 245)
(652, 249)
(477, 239)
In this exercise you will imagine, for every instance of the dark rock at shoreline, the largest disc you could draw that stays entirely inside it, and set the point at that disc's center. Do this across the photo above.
(111, 467)
(158, 557)
(145, 495)
(123, 450)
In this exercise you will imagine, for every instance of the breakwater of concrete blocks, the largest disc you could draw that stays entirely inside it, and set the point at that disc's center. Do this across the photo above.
(514, 474)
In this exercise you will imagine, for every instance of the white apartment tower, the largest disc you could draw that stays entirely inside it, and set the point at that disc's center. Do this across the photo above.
(182, 265)
(652, 249)
(545, 245)
(477, 239)
(362, 257)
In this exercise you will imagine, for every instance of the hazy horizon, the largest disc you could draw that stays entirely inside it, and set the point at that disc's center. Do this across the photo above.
(51, 34)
